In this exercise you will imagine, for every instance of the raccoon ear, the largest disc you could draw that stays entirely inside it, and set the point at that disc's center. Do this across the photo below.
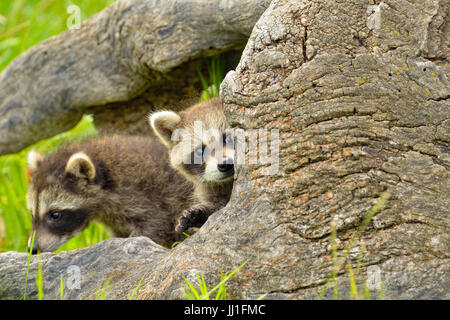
(81, 166)
(163, 124)
(34, 159)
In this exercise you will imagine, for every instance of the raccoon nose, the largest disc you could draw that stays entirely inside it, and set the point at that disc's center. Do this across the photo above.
(225, 165)
(35, 248)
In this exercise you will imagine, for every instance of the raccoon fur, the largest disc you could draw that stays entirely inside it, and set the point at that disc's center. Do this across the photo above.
(200, 148)
(124, 182)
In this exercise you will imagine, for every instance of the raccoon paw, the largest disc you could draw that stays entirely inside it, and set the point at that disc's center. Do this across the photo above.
(193, 217)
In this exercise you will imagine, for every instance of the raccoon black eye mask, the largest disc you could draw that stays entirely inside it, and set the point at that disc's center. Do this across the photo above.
(62, 222)
(194, 162)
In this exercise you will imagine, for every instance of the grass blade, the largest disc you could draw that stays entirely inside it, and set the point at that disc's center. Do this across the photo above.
(40, 280)
(224, 280)
(361, 228)
(353, 287)
(61, 294)
(193, 292)
(28, 266)
(136, 289)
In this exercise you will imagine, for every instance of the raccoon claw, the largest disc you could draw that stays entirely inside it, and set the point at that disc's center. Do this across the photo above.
(194, 217)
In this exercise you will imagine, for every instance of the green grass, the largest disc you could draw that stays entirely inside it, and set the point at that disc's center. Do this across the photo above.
(203, 293)
(354, 293)
(216, 74)
(24, 23)
(61, 289)
(40, 280)
(28, 267)
(102, 295)
(137, 288)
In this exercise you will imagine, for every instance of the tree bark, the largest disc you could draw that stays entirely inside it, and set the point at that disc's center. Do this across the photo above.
(359, 93)
(362, 106)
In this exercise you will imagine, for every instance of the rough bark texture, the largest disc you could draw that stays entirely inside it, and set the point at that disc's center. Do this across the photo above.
(128, 48)
(362, 108)
(360, 94)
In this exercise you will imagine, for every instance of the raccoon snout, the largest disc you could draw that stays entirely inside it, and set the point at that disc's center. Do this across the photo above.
(35, 248)
(225, 165)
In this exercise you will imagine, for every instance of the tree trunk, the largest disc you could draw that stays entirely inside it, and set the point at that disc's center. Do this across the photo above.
(359, 93)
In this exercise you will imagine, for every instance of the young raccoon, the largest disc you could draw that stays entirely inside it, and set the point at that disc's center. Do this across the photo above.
(204, 156)
(123, 181)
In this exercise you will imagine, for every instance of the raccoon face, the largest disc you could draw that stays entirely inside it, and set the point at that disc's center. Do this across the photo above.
(58, 199)
(200, 145)
(209, 159)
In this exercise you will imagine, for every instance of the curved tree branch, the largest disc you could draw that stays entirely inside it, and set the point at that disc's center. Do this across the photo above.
(114, 56)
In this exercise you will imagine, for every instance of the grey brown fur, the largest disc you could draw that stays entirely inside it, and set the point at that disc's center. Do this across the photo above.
(135, 191)
(212, 186)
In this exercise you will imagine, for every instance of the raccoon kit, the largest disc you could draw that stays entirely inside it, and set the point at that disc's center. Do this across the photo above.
(124, 182)
(201, 149)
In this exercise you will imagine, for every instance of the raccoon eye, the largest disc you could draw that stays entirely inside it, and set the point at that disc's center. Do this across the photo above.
(199, 151)
(55, 215)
